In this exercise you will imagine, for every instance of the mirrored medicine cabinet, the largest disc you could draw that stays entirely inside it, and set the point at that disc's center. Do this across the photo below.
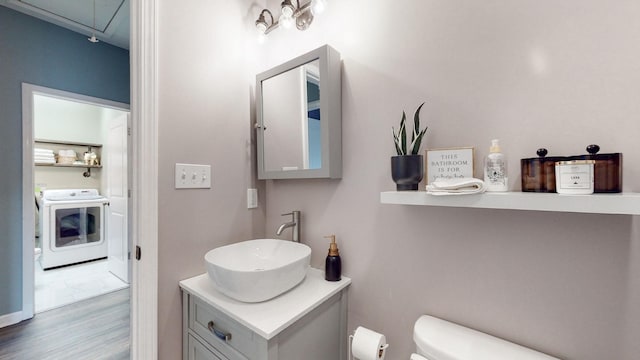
(299, 118)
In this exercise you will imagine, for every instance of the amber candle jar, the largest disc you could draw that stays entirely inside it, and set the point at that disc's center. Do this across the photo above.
(607, 171)
(538, 174)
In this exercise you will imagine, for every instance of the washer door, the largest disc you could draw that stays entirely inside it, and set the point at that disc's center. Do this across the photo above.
(76, 225)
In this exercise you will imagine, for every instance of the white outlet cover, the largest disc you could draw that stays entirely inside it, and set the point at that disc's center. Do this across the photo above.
(252, 198)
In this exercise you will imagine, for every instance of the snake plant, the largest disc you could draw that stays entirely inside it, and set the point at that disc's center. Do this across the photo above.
(400, 137)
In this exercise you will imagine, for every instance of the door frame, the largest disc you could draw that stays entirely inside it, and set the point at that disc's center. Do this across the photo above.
(144, 117)
(28, 204)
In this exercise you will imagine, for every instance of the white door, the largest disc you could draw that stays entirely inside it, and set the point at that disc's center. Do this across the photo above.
(117, 191)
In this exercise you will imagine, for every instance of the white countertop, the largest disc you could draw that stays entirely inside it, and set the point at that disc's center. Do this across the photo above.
(270, 317)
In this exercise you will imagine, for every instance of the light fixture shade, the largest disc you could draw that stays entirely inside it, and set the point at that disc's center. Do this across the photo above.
(261, 27)
(304, 20)
(318, 6)
(287, 8)
(285, 21)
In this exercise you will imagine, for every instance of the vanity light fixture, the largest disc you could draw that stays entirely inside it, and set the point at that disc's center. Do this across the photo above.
(286, 16)
(262, 25)
(300, 15)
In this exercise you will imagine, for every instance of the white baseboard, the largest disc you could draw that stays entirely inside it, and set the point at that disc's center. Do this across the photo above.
(10, 319)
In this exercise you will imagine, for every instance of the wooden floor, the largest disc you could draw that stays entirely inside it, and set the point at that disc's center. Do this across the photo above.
(96, 328)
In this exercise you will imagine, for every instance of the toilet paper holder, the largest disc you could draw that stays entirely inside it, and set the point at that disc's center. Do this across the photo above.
(376, 345)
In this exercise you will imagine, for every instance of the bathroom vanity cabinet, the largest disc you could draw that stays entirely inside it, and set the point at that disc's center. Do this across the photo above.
(308, 322)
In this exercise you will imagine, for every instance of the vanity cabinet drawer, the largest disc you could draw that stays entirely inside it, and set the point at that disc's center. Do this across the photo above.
(223, 333)
(197, 351)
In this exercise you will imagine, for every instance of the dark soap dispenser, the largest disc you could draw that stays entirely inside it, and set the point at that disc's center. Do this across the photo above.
(333, 264)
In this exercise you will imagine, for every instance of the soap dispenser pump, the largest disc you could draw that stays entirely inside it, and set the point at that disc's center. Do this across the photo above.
(333, 264)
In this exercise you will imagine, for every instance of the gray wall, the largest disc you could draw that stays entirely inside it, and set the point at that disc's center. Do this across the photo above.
(39, 53)
(204, 118)
(532, 73)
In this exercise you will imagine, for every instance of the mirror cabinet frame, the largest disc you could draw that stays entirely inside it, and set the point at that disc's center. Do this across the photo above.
(330, 116)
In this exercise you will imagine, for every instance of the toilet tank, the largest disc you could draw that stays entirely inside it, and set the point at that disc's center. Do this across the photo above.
(438, 339)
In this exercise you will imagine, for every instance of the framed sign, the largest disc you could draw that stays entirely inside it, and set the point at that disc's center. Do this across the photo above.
(443, 164)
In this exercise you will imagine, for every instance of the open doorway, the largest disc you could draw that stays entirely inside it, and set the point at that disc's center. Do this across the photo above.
(79, 177)
(36, 69)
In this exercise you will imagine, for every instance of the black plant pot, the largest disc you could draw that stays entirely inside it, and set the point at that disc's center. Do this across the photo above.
(407, 171)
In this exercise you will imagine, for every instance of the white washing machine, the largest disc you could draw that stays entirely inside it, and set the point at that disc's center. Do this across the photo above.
(73, 227)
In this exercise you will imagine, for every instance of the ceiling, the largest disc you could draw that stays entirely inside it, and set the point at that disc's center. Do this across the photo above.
(111, 19)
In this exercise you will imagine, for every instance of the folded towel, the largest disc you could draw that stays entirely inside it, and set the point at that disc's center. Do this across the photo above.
(44, 160)
(52, 161)
(463, 186)
(42, 151)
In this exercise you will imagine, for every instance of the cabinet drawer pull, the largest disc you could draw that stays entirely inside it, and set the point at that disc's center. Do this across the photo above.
(221, 335)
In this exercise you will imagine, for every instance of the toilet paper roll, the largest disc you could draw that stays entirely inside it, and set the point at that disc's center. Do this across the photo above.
(368, 344)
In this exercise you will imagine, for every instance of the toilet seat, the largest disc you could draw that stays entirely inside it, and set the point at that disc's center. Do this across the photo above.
(440, 339)
(417, 357)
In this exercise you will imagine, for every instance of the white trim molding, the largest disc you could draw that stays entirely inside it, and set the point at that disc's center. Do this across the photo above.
(10, 319)
(144, 98)
(28, 208)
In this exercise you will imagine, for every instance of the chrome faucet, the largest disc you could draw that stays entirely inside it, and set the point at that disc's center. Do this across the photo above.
(294, 223)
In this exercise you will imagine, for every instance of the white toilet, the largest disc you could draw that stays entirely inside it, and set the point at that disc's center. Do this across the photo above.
(437, 339)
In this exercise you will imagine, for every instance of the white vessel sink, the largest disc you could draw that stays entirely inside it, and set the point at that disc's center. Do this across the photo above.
(258, 270)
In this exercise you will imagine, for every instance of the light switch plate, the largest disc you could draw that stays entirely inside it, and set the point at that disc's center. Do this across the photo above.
(193, 176)
(252, 198)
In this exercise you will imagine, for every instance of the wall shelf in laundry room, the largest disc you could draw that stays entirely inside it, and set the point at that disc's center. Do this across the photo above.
(620, 204)
(70, 143)
(83, 166)
(58, 145)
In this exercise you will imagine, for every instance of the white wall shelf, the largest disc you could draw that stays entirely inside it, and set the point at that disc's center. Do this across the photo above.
(71, 143)
(71, 165)
(622, 204)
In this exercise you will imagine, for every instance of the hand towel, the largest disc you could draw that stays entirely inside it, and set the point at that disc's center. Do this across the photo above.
(44, 161)
(463, 186)
(43, 151)
(44, 158)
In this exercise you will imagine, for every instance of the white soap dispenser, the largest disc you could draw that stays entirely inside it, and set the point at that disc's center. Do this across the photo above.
(495, 169)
